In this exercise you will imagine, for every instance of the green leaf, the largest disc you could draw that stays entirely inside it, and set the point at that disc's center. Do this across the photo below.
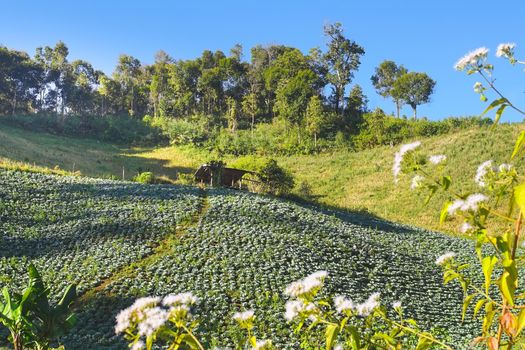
(519, 143)
(521, 320)
(519, 196)
(499, 112)
(494, 104)
(509, 281)
(423, 342)
(444, 213)
(466, 303)
(332, 330)
(479, 305)
(487, 264)
(445, 182)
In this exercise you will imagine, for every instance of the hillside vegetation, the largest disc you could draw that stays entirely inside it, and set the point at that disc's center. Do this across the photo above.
(233, 249)
(356, 181)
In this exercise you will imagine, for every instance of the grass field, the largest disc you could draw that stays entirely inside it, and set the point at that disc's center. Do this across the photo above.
(355, 181)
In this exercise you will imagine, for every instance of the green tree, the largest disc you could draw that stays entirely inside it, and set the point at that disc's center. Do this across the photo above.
(293, 96)
(384, 79)
(342, 59)
(127, 74)
(314, 117)
(414, 89)
(250, 107)
(232, 114)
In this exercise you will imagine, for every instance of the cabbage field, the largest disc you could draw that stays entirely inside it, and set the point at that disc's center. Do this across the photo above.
(232, 249)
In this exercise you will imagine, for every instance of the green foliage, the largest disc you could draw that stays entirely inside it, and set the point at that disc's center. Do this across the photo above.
(380, 129)
(31, 320)
(146, 177)
(275, 179)
(116, 129)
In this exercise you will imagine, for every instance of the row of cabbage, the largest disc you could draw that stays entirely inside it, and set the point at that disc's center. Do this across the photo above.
(82, 230)
(247, 248)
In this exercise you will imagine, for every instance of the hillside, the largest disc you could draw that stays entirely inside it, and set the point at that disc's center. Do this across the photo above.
(233, 249)
(356, 181)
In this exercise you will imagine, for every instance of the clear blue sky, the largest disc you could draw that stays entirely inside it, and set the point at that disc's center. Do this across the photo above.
(423, 35)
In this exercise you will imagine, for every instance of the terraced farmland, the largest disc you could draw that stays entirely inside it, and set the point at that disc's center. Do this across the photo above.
(234, 250)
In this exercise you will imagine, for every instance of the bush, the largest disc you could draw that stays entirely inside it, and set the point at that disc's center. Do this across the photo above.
(380, 129)
(275, 179)
(145, 178)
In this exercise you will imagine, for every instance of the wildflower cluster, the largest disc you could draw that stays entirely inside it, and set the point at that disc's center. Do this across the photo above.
(346, 324)
(152, 318)
(503, 317)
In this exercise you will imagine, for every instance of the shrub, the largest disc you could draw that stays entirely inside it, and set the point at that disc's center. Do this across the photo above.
(275, 179)
(145, 178)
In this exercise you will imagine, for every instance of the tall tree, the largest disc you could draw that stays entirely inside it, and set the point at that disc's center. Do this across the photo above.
(414, 89)
(384, 79)
(314, 117)
(127, 74)
(292, 98)
(342, 59)
(250, 107)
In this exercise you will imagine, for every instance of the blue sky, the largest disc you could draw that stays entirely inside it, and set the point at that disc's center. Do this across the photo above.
(426, 36)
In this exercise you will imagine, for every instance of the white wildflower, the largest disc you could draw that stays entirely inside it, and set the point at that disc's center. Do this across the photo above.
(466, 227)
(438, 158)
(398, 158)
(478, 87)
(294, 308)
(338, 347)
(154, 318)
(135, 311)
(369, 305)
(138, 345)
(243, 316)
(396, 305)
(505, 50)
(444, 258)
(416, 182)
(457, 204)
(472, 202)
(505, 168)
(472, 58)
(180, 311)
(179, 299)
(263, 344)
(142, 303)
(306, 285)
(123, 320)
(482, 171)
(343, 304)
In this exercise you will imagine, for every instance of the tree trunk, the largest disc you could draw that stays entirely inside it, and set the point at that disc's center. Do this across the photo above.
(415, 112)
(14, 103)
(253, 122)
(398, 107)
(315, 140)
(17, 341)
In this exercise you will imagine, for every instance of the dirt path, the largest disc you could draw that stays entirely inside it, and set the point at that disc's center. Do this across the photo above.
(164, 248)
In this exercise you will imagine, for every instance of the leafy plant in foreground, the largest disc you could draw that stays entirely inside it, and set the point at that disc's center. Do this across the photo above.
(31, 320)
(497, 300)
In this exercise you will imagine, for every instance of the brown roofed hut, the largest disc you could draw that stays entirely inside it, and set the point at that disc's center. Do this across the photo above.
(213, 174)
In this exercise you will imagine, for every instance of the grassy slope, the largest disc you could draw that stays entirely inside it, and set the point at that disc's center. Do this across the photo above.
(363, 182)
(359, 181)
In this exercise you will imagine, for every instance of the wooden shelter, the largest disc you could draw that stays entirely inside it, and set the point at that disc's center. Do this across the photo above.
(228, 177)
